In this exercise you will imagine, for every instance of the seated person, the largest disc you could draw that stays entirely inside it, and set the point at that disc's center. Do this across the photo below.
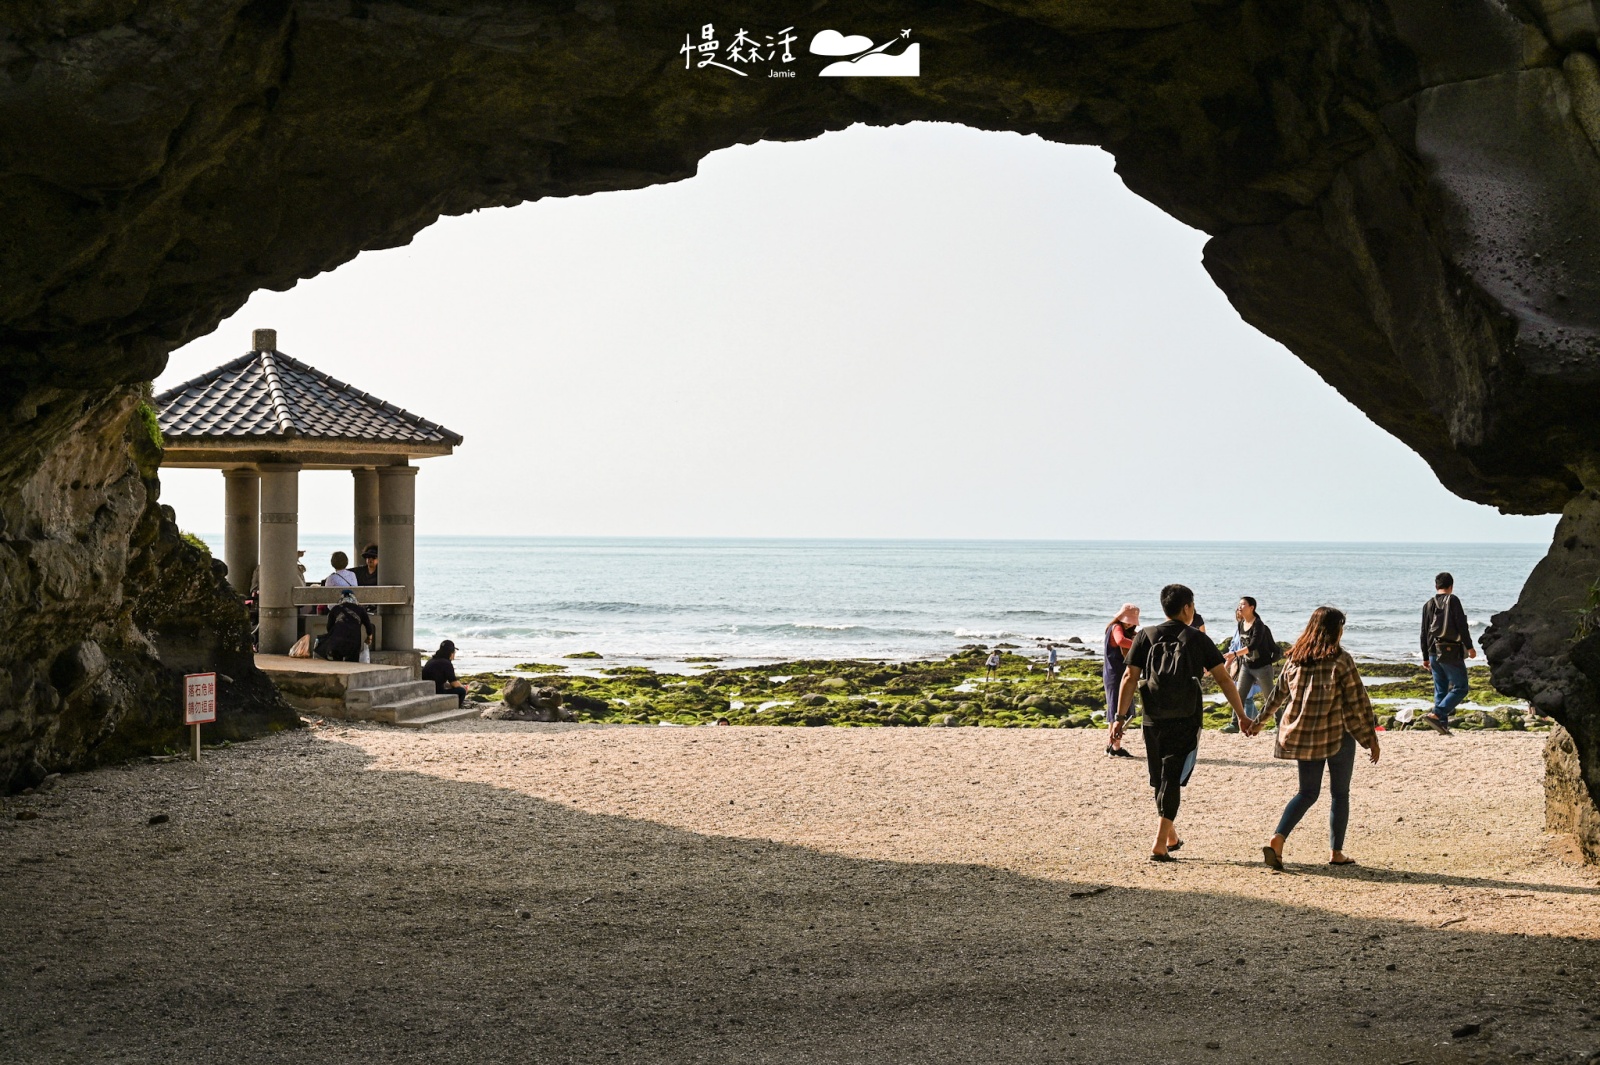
(341, 577)
(346, 622)
(368, 573)
(439, 670)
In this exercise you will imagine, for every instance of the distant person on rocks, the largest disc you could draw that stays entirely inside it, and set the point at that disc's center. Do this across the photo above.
(341, 577)
(349, 629)
(1446, 646)
(441, 670)
(1252, 653)
(1165, 665)
(991, 668)
(368, 573)
(1119, 638)
(1323, 712)
(1051, 665)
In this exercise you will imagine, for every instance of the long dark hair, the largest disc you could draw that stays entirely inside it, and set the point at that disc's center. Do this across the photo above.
(1321, 638)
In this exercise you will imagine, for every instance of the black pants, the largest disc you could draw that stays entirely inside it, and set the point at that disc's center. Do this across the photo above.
(1167, 747)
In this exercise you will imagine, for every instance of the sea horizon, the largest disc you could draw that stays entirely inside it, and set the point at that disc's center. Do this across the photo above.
(662, 601)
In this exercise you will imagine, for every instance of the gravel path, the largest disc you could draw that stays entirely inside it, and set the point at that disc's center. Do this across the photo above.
(505, 892)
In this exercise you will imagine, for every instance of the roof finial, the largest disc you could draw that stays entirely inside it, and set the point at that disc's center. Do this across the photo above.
(264, 340)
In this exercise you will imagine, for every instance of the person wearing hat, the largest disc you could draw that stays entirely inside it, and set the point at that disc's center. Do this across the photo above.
(368, 574)
(346, 622)
(1119, 640)
(443, 674)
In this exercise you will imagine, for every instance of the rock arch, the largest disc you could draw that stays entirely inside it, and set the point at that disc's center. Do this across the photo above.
(1404, 192)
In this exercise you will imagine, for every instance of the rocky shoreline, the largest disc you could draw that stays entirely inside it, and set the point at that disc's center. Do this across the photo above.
(949, 692)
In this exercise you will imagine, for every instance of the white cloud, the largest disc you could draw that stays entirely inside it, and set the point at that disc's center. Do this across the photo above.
(832, 42)
(908, 64)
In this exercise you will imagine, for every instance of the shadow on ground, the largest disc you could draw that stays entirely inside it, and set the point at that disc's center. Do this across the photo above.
(299, 908)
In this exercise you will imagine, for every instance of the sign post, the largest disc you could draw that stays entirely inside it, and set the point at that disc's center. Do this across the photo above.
(199, 703)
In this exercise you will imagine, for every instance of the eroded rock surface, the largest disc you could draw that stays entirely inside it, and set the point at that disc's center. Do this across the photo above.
(1406, 193)
(1568, 807)
(105, 607)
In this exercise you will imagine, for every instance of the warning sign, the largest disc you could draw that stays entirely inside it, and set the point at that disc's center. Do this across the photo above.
(199, 698)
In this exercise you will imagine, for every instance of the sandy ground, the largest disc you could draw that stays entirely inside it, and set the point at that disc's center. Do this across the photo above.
(503, 892)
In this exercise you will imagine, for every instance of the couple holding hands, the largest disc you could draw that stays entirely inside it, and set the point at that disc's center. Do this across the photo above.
(1321, 705)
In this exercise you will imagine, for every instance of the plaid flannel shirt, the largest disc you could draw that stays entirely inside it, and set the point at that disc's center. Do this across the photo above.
(1316, 703)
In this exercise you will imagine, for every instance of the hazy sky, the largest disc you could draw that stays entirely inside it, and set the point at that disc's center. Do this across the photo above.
(927, 331)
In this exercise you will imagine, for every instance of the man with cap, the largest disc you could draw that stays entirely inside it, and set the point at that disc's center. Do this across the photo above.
(345, 624)
(368, 574)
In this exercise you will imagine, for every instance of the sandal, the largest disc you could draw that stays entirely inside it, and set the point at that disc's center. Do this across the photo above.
(1162, 857)
(1347, 861)
(1435, 723)
(1178, 846)
(1272, 858)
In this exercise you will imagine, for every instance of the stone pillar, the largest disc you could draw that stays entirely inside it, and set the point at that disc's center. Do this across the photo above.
(280, 540)
(397, 563)
(241, 530)
(367, 525)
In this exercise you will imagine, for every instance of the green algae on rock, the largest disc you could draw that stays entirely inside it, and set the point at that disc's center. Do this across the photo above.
(946, 692)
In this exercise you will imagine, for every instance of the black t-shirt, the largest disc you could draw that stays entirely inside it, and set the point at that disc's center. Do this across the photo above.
(1200, 654)
(365, 578)
(441, 671)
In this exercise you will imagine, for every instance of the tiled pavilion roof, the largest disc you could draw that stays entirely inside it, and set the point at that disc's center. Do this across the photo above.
(266, 396)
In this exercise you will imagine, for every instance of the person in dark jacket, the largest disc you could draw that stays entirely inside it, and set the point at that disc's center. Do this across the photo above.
(1446, 646)
(1251, 654)
(443, 674)
(367, 572)
(349, 628)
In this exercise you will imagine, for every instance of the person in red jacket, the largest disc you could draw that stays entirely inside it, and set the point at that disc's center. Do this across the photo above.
(1119, 637)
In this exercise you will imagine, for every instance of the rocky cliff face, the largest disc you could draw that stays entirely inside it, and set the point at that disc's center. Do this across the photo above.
(1403, 192)
(106, 607)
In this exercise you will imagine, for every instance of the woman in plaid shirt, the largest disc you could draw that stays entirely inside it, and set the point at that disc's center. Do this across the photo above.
(1323, 712)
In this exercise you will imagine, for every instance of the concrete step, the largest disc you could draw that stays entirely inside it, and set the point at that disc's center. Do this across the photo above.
(387, 694)
(420, 706)
(379, 676)
(451, 714)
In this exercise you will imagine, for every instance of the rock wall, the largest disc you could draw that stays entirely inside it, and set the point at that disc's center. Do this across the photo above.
(1405, 192)
(1568, 804)
(106, 606)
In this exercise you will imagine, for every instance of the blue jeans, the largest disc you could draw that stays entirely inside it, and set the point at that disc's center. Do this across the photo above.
(1449, 687)
(1341, 766)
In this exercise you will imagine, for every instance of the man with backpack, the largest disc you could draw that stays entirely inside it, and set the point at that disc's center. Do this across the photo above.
(1252, 653)
(346, 623)
(1446, 646)
(1165, 665)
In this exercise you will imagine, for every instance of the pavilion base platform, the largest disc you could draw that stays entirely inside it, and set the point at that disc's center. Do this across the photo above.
(360, 691)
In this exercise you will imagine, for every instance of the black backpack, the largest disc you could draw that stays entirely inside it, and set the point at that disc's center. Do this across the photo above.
(1445, 639)
(1167, 685)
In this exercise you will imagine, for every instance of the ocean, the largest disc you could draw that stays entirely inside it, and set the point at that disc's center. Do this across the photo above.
(506, 600)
